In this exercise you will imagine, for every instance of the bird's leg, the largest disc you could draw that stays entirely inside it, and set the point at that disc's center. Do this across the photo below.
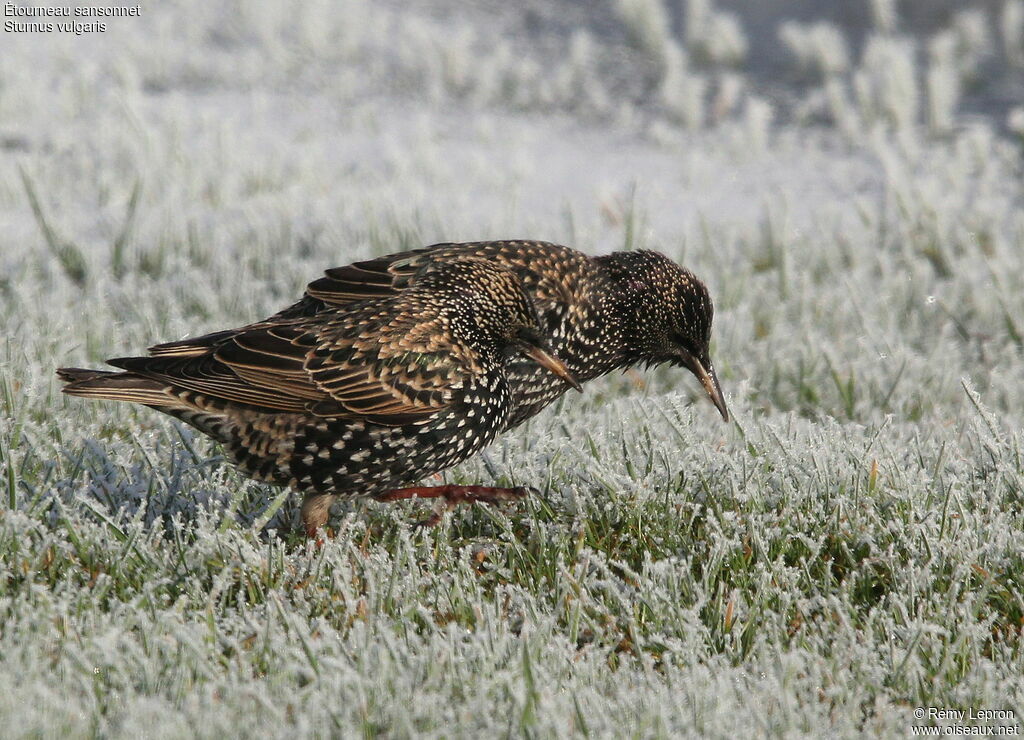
(453, 496)
(316, 507)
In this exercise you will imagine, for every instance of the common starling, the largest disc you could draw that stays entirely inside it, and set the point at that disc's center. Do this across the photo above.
(357, 399)
(600, 313)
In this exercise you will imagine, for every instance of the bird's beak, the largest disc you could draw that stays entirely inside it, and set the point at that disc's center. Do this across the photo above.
(705, 373)
(533, 347)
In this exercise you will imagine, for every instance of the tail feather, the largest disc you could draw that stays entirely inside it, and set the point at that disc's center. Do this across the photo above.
(196, 346)
(113, 386)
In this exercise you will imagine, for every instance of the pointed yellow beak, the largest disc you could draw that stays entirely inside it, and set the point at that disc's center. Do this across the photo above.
(709, 380)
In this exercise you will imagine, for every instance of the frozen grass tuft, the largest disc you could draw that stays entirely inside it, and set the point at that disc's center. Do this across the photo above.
(886, 83)
(715, 37)
(884, 15)
(818, 47)
(943, 82)
(847, 550)
(1011, 26)
(647, 23)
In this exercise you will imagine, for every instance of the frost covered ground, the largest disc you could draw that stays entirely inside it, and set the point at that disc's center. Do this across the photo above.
(846, 177)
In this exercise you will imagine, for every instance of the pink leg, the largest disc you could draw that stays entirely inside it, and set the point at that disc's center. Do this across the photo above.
(453, 496)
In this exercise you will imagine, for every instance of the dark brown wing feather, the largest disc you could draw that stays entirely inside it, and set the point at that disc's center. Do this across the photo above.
(541, 266)
(396, 371)
(282, 363)
(388, 362)
(374, 278)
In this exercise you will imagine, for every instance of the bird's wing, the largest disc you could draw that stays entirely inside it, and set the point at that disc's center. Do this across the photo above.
(394, 371)
(378, 364)
(261, 368)
(538, 265)
(554, 276)
(376, 278)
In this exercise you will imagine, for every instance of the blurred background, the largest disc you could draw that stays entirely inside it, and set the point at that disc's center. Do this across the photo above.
(792, 153)
(539, 119)
(847, 178)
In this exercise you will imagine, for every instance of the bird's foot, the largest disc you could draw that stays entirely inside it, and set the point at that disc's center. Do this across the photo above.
(453, 496)
(320, 535)
(316, 508)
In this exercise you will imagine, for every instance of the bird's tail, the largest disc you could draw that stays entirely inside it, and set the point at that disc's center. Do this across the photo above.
(261, 448)
(113, 386)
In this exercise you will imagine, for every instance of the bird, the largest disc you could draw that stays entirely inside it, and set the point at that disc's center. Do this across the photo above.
(356, 399)
(598, 314)
(603, 313)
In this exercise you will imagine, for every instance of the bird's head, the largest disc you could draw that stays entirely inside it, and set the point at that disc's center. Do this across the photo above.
(666, 315)
(689, 340)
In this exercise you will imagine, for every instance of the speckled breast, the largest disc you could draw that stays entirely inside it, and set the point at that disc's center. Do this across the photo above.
(357, 458)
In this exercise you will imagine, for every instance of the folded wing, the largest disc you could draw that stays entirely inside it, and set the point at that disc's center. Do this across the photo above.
(370, 364)
(534, 262)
